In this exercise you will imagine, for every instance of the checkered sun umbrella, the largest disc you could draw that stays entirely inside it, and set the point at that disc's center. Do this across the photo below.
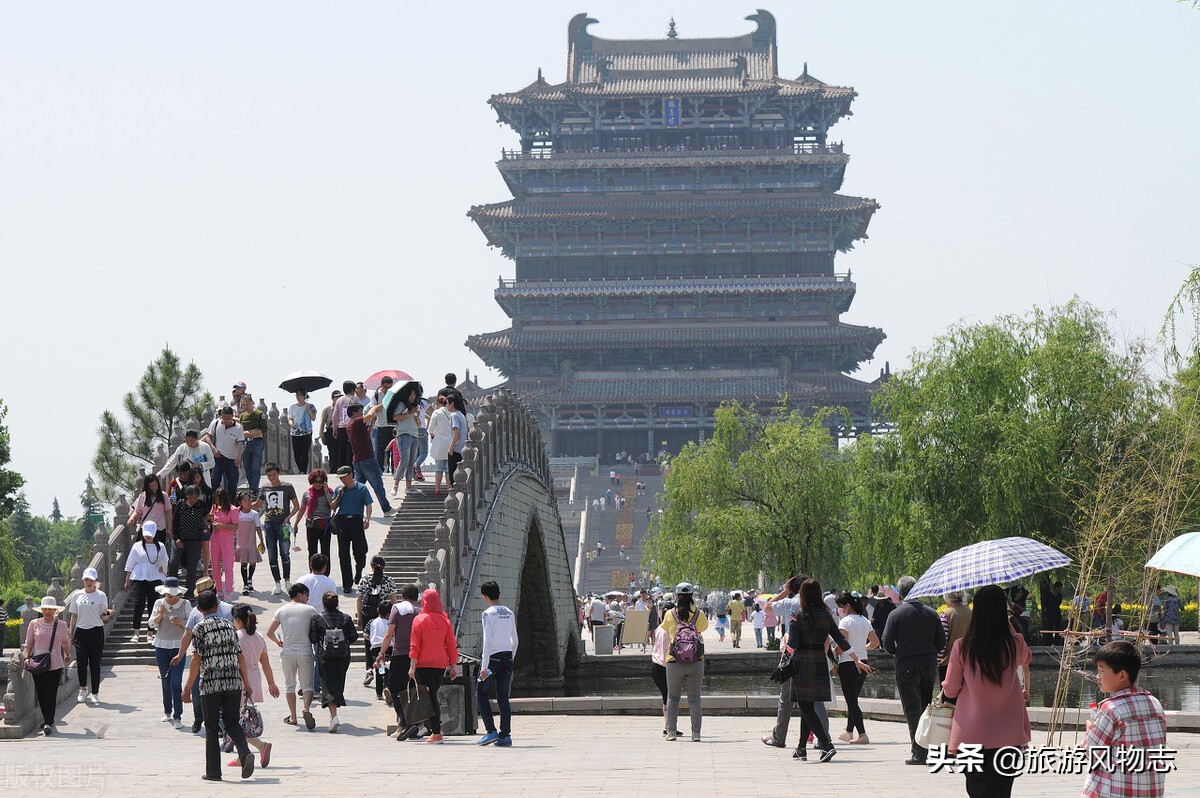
(992, 562)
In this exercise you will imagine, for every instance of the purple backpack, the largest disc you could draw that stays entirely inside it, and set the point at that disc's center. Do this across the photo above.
(687, 647)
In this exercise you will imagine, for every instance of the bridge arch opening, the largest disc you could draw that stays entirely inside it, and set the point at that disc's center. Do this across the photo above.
(537, 659)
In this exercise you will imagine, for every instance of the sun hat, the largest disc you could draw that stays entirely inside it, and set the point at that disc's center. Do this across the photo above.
(49, 603)
(205, 583)
(149, 529)
(1171, 589)
(90, 573)
(170, 587)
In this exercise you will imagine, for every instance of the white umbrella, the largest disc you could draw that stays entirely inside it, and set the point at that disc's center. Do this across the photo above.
(1180, 556)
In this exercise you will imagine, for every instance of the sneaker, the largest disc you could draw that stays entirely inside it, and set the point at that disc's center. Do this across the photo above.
(82, 695)
(370, 677)
(176, 723)
(136, 638)
(488, 738)
(275, 591)
(287, 583)
(150, 639)
(828, 753)
(407, 733)
(915, 761)
(695, 738)
(418, 475)
(47, 729)
(246, 589)
(335, 723)
(94, 700)
(264, 756)
(166, 718)
(504, 742)
(670, 737)
(395, 491)
(435, 739)
(801, 754)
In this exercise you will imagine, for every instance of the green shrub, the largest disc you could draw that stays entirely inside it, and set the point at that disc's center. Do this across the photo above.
(12, 635)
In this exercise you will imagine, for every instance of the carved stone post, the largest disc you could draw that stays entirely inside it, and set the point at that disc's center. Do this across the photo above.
(28, 613)
(206, 417)
(77, 573)
(274, 444)
(121, 510)
(56, 590)
(317, 462)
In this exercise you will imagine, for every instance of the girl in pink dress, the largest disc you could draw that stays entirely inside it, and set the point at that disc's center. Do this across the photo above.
(254, 650)
(224, 522)
(249, 538)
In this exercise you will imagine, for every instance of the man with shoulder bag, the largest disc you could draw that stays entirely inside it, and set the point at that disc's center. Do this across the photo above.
(914, 635)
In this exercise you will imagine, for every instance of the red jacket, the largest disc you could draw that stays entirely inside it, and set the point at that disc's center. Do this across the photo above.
(432, 644)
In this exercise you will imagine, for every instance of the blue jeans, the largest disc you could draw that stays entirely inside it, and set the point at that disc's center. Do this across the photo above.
(406, 445)
(277, 549)
(758, 630)
(422, 446)
(500, 674)
(171, 677)
(252, 461)
(225, 470)
(368, 471)
(380, 438)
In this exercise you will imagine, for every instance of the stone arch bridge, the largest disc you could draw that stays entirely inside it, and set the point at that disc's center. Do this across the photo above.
(501, 522)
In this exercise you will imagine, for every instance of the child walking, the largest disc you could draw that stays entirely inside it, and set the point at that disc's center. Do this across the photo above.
(1129, 719)
(224, 518)
(249, 539)
(376, 630)
(258, 664)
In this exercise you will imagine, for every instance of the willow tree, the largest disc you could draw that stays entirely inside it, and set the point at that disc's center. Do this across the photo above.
(1001, 429)
(762, 495)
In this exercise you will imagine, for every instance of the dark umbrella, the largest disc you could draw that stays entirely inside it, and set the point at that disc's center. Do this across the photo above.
(307, 381)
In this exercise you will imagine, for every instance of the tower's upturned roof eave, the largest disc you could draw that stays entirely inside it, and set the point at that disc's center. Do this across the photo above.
(709, 336)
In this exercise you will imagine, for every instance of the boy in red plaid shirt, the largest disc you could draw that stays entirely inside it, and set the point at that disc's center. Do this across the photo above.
(1129, 719)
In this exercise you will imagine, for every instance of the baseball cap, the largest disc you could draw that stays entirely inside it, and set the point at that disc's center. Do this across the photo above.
(149, 529)
(241, 385)
(90, 573)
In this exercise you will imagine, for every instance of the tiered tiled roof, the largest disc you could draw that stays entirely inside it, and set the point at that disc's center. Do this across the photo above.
(650, 158)
(831, 389)
(740, 65)
(624, 208)
(651, 335)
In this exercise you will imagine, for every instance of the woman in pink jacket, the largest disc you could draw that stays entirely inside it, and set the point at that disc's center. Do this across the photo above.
(432, 649)
(982, 676)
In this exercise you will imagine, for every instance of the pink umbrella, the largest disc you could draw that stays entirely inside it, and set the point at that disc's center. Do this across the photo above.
(374, 381)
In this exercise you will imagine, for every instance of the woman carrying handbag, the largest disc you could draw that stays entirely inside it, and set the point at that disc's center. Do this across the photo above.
(47, 649)
(990, 702)
(432, 649)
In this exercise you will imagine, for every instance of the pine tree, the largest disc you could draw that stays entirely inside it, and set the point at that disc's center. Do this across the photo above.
(90, 501)
(10, 481)
(167, 394)
(56, 514)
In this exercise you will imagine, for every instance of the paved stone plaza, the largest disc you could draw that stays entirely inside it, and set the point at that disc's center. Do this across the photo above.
(121, 748)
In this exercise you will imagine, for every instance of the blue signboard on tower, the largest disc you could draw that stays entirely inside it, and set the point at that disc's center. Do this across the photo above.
(672, 111)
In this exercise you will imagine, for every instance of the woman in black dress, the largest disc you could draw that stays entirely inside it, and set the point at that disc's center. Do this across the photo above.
(807, 632)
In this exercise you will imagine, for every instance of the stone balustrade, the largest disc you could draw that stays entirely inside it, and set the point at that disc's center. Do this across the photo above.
(506, 439)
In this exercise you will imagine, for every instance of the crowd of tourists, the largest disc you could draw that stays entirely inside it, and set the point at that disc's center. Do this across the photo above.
(973, 653)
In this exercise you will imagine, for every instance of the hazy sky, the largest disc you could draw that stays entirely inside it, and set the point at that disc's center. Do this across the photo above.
(272, 186)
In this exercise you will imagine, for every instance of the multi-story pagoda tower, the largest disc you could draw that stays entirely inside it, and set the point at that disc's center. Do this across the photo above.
(674, 226)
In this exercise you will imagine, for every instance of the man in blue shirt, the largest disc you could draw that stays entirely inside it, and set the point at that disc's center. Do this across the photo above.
(351, 516)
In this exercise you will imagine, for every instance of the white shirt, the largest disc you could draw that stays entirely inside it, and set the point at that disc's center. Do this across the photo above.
(226, 439)
(499, 632)
(89, 607)
(439, 434)
(856, 628)
(202, 455)
(318, 585)
(377, 629)
(146, 564)
(759, 619)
